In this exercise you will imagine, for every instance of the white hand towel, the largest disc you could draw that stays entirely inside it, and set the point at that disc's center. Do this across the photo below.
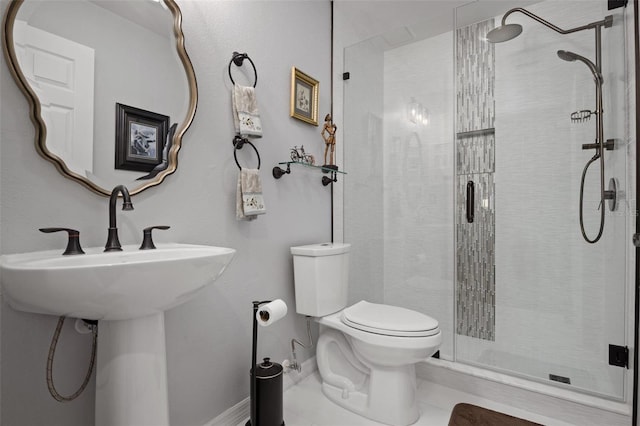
(246, 117)
(249, 198)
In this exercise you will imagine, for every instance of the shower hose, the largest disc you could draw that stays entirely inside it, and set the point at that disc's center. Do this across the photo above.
(597, 156)
(52, 350)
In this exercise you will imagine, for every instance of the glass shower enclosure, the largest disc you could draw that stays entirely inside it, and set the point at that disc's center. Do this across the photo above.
(463, 197)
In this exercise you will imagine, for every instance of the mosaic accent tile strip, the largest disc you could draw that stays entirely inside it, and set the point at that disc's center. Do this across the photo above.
(475, 257)
(475, 161)
(475, 77)
(475, 154)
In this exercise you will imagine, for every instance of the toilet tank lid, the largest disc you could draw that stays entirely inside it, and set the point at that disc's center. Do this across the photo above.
(321, 249)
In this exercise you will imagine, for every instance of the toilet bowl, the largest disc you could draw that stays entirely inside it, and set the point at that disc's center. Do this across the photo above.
(366, 352)
(366, 357)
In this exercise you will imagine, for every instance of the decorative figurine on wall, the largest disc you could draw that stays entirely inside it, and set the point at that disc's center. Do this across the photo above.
(329, 136)
(298, 155)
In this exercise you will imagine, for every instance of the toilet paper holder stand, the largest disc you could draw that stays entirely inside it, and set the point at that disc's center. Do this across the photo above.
(264, 316)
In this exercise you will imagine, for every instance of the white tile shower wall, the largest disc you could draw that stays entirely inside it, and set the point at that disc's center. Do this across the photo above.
(418, 181)
(556, 296)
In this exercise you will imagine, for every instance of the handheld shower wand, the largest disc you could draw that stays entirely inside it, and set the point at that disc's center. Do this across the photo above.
(568, 56)
(509, 31)
(599, 143)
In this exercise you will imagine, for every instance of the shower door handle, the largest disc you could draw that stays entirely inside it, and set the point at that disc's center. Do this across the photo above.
(470, 200)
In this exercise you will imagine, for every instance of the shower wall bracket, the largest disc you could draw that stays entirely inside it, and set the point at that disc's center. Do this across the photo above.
(611, 195)
(614, 4)
(619, 356)
(609, 145)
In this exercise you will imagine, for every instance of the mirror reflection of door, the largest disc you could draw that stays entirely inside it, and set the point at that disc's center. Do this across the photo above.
(61, 73)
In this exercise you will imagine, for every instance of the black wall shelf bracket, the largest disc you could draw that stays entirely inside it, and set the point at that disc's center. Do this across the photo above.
(332, 171)
(278, 172)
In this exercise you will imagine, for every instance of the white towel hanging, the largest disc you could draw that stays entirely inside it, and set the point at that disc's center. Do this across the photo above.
(249, 197)
(246, 117)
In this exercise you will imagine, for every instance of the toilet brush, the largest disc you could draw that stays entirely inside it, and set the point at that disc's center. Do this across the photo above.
(265, 388)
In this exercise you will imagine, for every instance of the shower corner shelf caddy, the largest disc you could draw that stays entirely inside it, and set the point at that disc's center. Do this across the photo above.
(333, 172)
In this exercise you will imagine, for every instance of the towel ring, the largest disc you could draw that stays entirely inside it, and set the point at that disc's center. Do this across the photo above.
(238, 143)
(238, 59)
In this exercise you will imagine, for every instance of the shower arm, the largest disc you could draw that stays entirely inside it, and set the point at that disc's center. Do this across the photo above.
(606, 23)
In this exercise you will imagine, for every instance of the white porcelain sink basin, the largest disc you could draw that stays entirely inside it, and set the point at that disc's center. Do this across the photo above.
(110, 286)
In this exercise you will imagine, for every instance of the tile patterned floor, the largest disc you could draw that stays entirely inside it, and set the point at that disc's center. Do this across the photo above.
(304, 404)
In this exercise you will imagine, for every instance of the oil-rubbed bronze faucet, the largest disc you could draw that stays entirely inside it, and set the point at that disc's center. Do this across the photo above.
(113, 243)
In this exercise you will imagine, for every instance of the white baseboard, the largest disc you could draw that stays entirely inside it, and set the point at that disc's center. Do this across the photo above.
(234, 416)
(239, 413)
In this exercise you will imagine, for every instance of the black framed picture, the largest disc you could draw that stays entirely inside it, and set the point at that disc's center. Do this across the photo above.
(140, 137)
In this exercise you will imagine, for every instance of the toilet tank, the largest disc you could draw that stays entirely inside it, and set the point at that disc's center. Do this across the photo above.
(321, 278)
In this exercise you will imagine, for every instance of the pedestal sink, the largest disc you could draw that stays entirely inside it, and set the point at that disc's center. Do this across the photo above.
(129, 292)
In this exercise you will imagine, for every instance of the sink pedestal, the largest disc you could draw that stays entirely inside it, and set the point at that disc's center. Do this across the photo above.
(131, 376)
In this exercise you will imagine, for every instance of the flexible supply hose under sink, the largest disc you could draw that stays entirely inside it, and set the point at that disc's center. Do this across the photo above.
(52, 350)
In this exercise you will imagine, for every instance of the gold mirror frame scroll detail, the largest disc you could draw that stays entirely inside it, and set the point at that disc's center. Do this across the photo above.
(38, 122)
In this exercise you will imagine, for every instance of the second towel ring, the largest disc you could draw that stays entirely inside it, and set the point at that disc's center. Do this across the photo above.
(238, 143)
(238, 59)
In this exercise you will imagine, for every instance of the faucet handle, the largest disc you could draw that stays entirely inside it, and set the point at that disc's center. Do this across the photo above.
(147, 239)
(73, 245)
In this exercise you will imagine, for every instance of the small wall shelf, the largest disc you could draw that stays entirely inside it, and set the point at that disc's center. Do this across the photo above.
(333, 171)
(474, 133)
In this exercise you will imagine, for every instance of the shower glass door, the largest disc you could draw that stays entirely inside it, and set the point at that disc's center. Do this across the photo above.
(463, 194)
(398, 199)
(532, 296)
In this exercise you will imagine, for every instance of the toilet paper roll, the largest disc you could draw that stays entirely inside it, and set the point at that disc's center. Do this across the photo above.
(271, 312)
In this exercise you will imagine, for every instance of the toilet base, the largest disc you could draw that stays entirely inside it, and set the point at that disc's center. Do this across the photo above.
(390, 396)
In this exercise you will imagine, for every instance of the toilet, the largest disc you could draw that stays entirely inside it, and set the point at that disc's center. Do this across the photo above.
(366, 352)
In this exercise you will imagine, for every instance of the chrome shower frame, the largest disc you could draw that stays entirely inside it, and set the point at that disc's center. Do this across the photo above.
(596, 69)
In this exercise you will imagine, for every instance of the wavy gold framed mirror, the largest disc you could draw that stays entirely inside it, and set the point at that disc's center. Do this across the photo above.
(76, 65)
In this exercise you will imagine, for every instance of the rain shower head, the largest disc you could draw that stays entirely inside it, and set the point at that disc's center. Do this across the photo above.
(504, 33)
(565, 55)
(507, 32)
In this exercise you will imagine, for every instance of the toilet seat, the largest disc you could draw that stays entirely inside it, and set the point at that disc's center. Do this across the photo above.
(388, 320)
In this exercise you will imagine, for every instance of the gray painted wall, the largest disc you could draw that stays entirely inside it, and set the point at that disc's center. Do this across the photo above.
(208, 339)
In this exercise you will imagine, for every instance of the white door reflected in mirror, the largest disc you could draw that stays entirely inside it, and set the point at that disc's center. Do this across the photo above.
(61, 73)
